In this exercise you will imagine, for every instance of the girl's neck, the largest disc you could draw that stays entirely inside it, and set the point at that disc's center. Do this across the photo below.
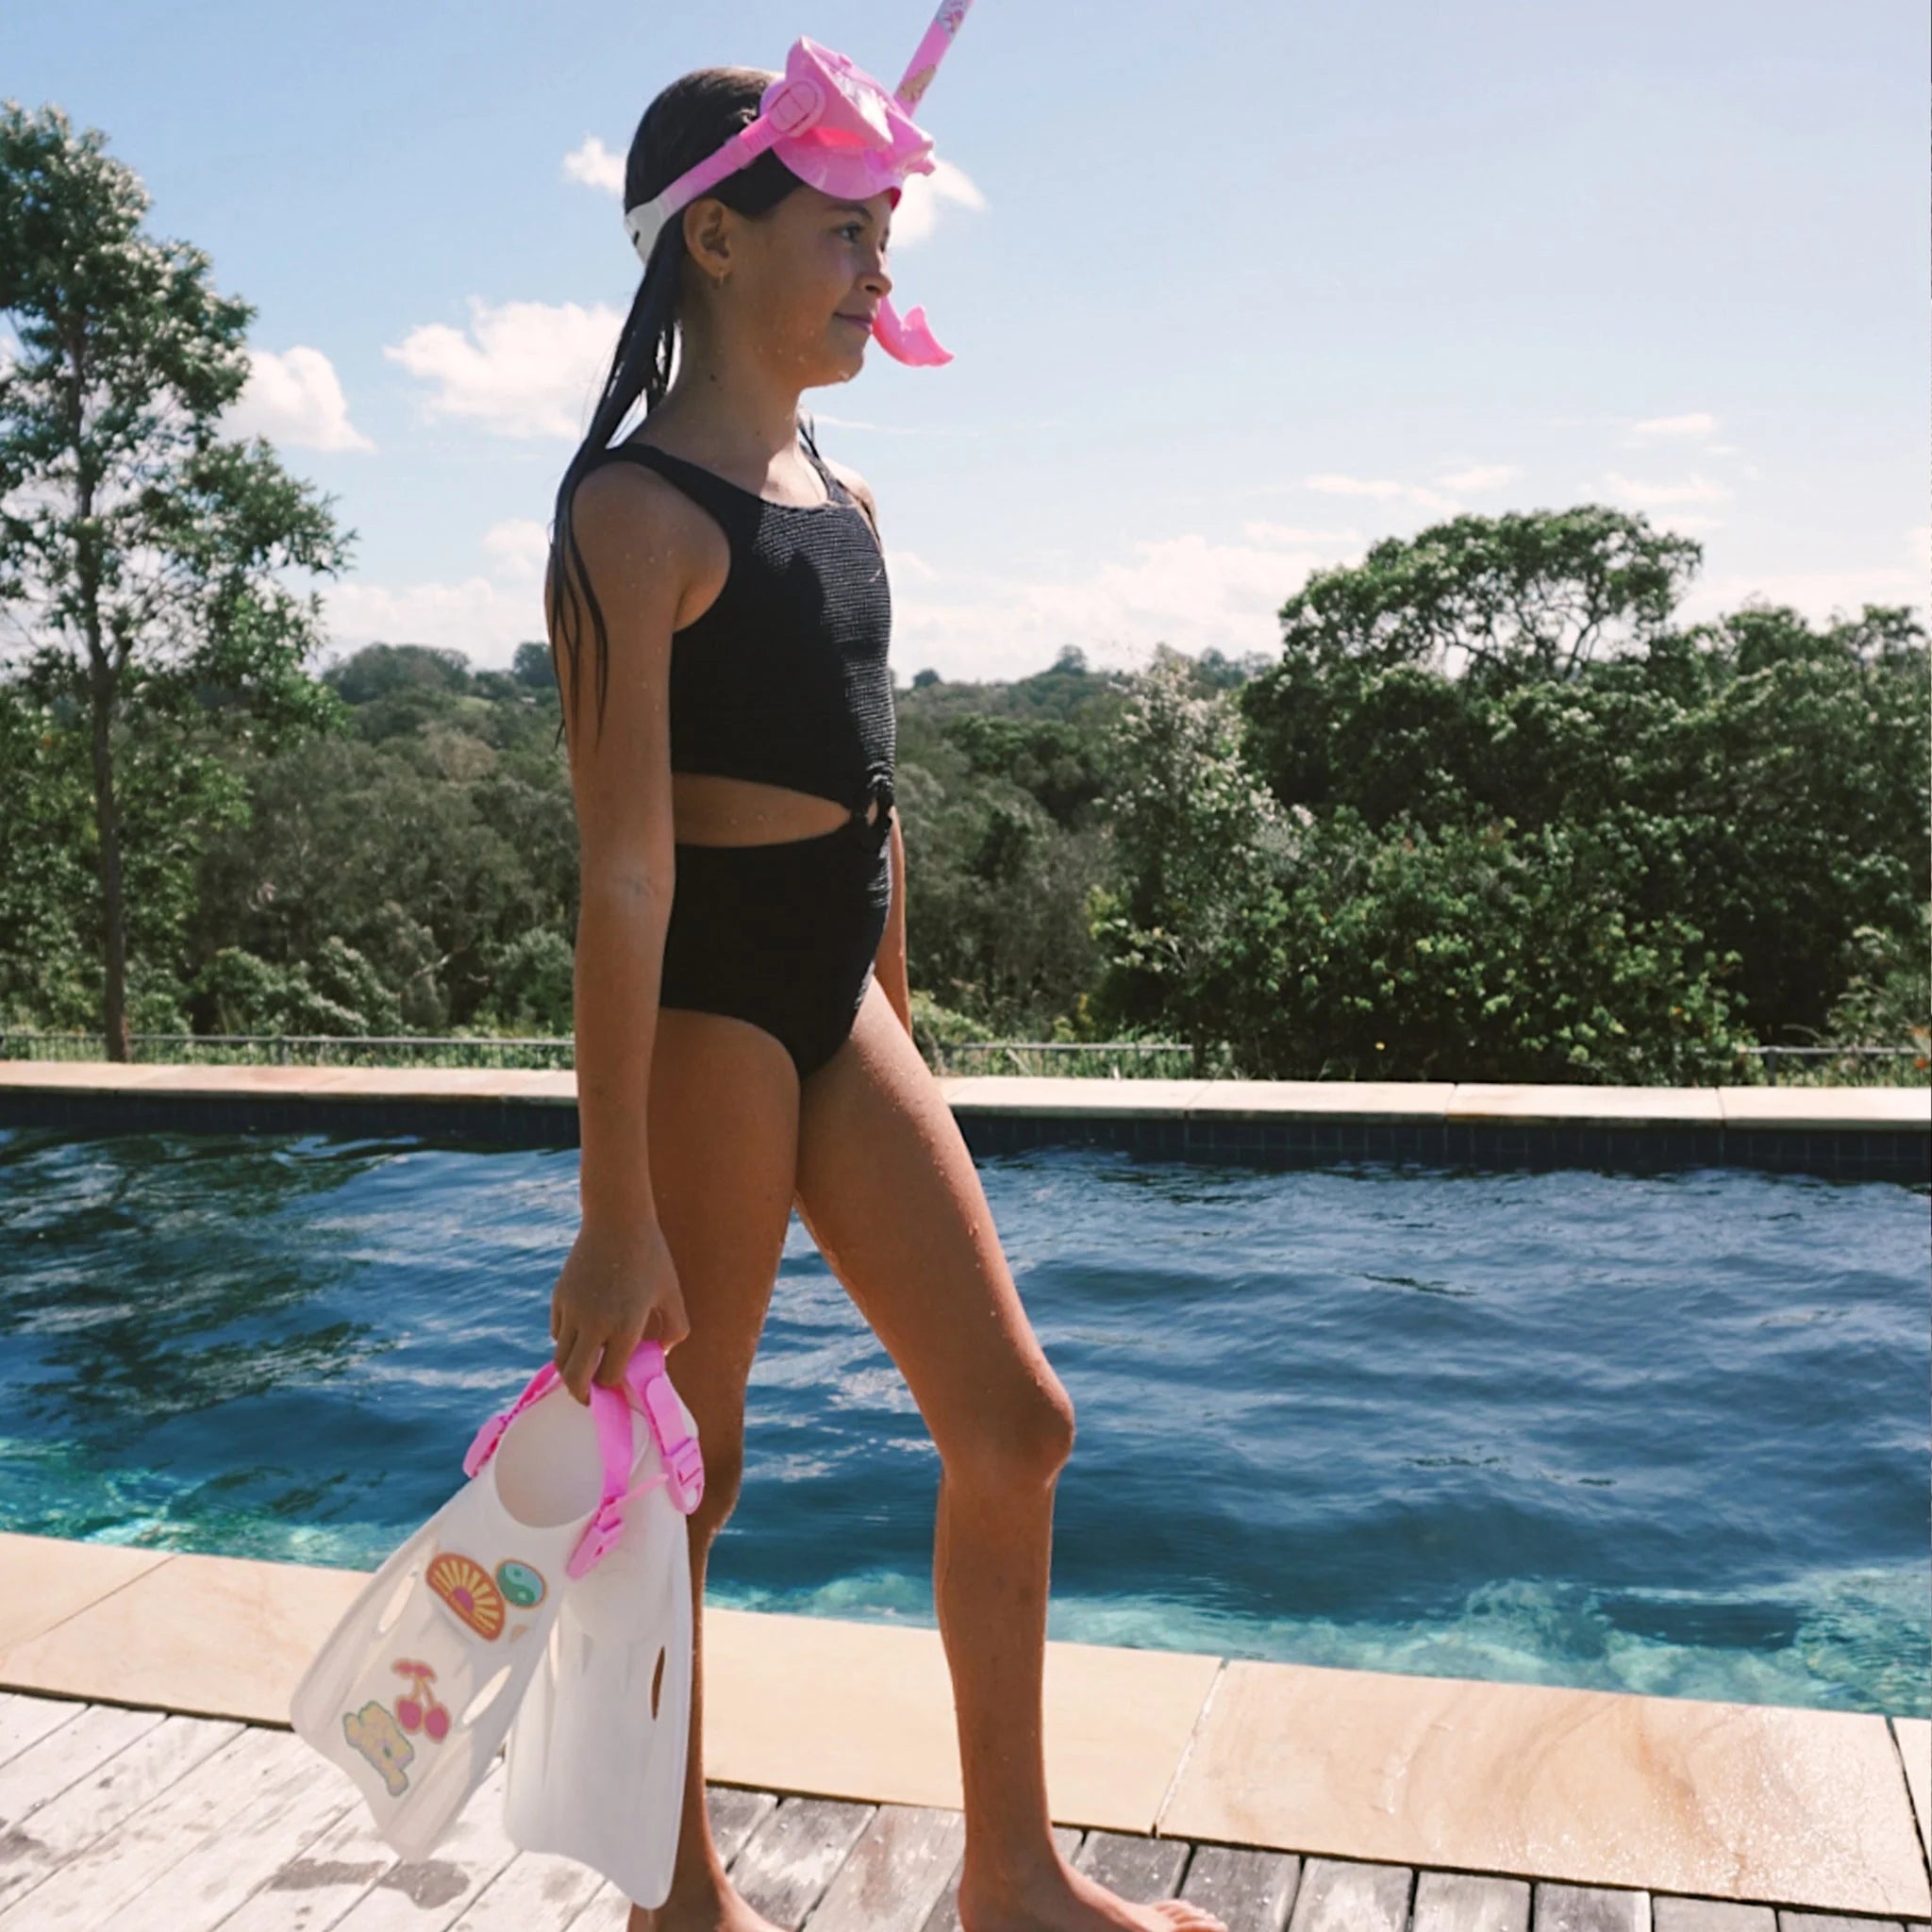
(744, 415)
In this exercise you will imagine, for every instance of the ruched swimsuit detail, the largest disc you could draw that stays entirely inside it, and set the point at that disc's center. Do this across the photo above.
(783, 680)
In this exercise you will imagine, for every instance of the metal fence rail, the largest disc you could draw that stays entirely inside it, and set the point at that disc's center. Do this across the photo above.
(1102, 1058)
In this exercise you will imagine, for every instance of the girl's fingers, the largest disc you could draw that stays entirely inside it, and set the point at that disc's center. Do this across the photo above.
(617, 1351)
(576, 1357)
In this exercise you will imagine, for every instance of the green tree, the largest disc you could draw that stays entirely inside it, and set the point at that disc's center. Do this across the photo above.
(140, 553)
(1197, 840)
(45, 899)
(1540, 588)
(1768, 777)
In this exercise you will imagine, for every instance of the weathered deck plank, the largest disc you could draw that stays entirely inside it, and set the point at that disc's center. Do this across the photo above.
(1464, 1902)
(1825, 1922)
(1252, 1891)
(896, 1873)
(193, 1825)
(1710, 1915)
(1338, 1895)
(25, 1721)
(1591, 1908)
(428, 1894)
(64, 1754)
(279, 1823)
(734, 1812)
(1141, 1869)
(791, 1859)
(79, 1811)
(316, 1888)
(534, 1892)
(112, 1869)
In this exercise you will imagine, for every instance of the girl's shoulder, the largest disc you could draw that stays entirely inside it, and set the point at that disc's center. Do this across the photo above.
(859, 487)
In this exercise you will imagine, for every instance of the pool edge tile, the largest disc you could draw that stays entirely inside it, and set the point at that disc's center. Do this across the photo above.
(221, 1637)
(1914, 1736)
(51, 1579)
(1612, 1788)
(1116, 1721)
(1582, 1787)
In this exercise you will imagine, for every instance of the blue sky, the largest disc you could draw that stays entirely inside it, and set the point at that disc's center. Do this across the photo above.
(1234, 291)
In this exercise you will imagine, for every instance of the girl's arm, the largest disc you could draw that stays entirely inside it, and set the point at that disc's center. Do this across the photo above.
(889, 962)
(619, 1281)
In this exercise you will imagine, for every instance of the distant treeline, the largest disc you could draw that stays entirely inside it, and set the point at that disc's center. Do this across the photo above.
(1490, 814)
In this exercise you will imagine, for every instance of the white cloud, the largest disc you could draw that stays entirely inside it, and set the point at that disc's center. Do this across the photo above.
(483, 620)
(595, 166)
(1186, 592)
(1479, 477)
(523, 369)
(1293, 536)
(520, 545)
(1822, 595)
(1640, 494)
(484, 616)
(1457, 484)
(1381, 490)
(1696, 422)
(295, 399)
(918, 211)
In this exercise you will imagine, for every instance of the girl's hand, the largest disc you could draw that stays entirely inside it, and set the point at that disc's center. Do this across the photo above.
(615, 1289)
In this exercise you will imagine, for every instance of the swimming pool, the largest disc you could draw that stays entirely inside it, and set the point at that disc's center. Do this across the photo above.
(1665, 1433)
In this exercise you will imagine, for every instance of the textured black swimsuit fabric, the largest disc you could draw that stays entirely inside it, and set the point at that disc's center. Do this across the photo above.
(784, 680)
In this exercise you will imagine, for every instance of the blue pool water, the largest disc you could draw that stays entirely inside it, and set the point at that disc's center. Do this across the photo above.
(1663, 1434)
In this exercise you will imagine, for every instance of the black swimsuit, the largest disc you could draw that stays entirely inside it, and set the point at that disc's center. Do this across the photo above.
(784, 680)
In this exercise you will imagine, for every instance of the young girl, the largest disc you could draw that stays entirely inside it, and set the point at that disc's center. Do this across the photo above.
(743, 1035)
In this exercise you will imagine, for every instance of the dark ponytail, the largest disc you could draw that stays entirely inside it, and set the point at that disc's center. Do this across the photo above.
(690, 119)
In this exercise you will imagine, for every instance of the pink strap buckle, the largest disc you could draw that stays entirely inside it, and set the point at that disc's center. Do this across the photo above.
(684, 1462)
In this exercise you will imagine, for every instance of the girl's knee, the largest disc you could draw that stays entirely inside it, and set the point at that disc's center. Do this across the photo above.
(1024, 1443)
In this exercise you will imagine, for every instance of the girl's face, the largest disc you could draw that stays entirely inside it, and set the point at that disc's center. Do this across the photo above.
(804, 281)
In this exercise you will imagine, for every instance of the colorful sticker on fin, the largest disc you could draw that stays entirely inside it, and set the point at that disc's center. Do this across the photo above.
(420, 1710)
(519, 1583)
(374, 1732)
(467, 1588)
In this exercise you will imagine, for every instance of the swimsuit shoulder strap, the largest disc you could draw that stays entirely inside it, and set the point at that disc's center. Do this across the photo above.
(726, 504)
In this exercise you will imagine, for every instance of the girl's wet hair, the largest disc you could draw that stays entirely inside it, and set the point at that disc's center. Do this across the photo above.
(690, 119)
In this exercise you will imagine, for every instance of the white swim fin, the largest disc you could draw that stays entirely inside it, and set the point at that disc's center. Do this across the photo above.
(414, 1689)
(598, 1752)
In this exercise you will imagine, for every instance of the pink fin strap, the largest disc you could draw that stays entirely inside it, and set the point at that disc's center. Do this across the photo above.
(684, 1463)
(610, 1410)
(490, 1434)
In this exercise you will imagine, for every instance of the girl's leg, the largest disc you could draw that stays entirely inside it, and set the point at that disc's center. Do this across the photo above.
(723, 1135)
(891, 1195)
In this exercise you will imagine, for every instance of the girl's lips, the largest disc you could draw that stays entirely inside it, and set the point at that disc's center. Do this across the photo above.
(860, 320)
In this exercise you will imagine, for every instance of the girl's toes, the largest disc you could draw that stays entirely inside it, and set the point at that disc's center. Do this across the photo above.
(1186, 1918)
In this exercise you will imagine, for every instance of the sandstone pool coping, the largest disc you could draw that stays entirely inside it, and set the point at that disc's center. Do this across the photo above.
(1409, 1101)
(1814, 1810)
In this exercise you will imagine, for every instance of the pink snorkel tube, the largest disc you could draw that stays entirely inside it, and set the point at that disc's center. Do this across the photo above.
(839, 131)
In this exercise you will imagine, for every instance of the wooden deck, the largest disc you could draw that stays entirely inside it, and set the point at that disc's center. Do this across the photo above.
(156, 1823)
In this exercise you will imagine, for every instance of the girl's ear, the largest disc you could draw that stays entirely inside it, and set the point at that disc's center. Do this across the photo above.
(708, 235)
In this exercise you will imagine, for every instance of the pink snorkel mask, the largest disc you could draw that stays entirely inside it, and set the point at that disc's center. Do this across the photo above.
(839, 131)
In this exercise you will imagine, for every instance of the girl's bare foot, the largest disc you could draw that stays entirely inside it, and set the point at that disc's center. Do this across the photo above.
(1069, 1900)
